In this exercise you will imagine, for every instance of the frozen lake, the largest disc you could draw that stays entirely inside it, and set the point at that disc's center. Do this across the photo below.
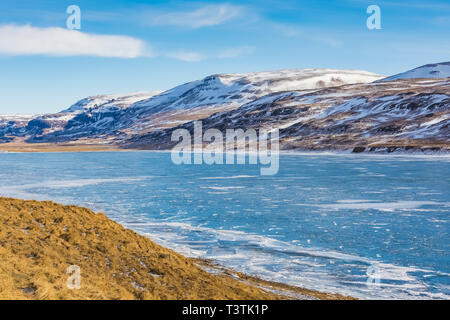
(365, 226)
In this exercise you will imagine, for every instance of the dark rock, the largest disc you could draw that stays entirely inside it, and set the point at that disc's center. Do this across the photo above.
(359, 149)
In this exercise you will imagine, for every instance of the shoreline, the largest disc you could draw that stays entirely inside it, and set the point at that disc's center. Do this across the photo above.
(40, 239)
(73, 147)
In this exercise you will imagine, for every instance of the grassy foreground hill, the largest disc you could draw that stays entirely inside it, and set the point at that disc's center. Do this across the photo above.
(40, 240)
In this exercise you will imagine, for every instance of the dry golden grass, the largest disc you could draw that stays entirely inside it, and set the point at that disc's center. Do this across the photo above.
(20, 146)
(40, 240)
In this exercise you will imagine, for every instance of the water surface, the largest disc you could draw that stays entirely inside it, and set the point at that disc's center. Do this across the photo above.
(365, 226)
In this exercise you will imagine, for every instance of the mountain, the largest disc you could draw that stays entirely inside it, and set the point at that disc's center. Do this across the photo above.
(223, 92)
(314, 109)
(429, 71)
(377, 117)
(12, 125)
(109, 101)
(233, 90)
(38, 125)
(114, 118)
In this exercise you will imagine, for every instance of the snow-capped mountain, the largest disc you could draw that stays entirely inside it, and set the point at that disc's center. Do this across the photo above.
(33, 125)
(237, 89)
(132, 114)
(429, 71)
(315, 109)
(222, 92)
(373, 117)
(10, 125)
(109, 101)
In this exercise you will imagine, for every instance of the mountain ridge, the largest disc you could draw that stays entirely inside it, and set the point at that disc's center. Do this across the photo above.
(130, 120)
(433, 70)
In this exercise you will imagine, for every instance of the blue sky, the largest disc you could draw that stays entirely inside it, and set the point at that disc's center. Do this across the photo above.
(126, 46)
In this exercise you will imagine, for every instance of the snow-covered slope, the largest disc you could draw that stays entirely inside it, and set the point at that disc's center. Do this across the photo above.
(108, 101)
(315, 109)
(222, 92)
(233, 90)
(145, 112)
(23, 125)
(433, 71)
(380, 116)
(16, 117)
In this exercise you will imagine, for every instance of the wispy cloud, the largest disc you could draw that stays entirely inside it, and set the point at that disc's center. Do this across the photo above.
(286, 30)
(206, 16)
(306, 34)
(28, 40)
(440, 49)
(330, 42)
(235, 52)
(426, 5)
(191, 56)
(187, 56)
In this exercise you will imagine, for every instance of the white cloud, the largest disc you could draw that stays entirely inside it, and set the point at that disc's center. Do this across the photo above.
(190, 56)
(427, 5)
(209, 15)
(286, 30)
(235, 52)
(330, 42)
(306, 34)
(186, 56)
(28, 40)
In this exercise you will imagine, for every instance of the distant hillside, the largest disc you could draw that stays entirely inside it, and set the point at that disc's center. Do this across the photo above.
(117, 117)
(429, 71)
(315, 109)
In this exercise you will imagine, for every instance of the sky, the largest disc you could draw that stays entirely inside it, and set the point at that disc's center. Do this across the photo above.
(127, 46)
